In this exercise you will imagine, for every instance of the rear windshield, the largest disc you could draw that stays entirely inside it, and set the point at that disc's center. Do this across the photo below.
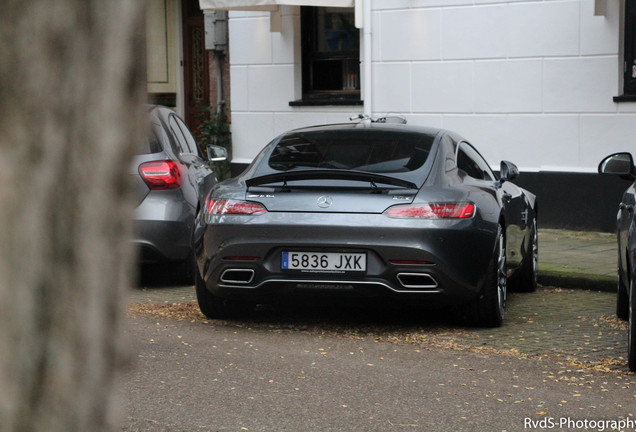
(151, 144)
(367, 150)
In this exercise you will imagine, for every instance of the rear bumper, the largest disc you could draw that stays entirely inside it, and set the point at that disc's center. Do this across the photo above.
(239, 255)
(158, 241)
(163, 230)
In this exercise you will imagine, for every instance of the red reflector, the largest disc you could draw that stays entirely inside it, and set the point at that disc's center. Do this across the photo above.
(160, 175)
(241, 258)
(221, 207)
(462, 210)
(411, 262)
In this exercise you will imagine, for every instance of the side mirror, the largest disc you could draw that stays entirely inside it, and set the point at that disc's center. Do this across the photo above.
(216, 153)
(621, 164)
(507, 171)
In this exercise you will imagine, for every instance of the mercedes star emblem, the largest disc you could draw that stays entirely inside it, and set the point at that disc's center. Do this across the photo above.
(325, 201)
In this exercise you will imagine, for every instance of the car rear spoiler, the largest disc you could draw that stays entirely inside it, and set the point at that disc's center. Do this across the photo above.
(329, 174)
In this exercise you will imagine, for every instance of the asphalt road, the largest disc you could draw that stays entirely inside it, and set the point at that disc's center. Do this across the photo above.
(301, 375)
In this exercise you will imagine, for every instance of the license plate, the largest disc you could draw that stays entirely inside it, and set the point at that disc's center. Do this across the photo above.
(324, 261)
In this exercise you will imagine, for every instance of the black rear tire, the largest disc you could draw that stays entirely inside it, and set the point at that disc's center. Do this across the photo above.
(215, 307)
(622, 299)
(527, 278)
(185, 270)
(489, 308)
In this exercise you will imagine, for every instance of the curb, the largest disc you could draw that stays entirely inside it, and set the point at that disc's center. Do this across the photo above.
(590, 282)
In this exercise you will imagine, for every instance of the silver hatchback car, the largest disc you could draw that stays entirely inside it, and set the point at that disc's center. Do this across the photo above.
(172, 179)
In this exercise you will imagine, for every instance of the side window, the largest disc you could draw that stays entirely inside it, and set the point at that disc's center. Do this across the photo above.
(152, 144)
(192, 144)
(471, 162)
(182, 145)
(185, 141)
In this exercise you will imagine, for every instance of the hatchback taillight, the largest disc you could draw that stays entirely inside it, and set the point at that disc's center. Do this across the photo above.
(159, 175)
(461, 210)
(233, 207)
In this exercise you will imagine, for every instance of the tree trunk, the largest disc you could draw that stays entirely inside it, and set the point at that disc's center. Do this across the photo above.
(70, 80)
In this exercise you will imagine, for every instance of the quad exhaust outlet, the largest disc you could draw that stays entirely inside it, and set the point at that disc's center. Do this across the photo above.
(417, 280)
(237, 276)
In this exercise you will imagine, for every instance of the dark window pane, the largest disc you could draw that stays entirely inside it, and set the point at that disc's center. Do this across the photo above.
(361, 150)
(330, 53)
(473, 164)
(335, 30)
(327, 75)
(151, 144)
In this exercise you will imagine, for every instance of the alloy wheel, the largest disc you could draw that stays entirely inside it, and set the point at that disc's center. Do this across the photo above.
(535, 252)
(502, 279)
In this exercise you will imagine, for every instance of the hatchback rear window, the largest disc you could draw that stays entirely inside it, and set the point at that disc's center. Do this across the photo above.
(369, 150)
(151, 144)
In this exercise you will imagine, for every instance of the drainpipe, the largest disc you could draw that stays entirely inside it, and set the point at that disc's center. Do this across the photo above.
(215, 22)
(368, 56)
(219, 79)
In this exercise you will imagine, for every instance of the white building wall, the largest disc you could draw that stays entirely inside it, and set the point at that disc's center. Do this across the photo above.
(527, 81)
(265, 77)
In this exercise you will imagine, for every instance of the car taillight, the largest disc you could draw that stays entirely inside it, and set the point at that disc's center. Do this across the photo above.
(158, 175)
(461, 210)
(234, 207)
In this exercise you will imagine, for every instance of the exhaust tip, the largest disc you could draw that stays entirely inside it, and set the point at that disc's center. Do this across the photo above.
(237, 276)
(417, 280)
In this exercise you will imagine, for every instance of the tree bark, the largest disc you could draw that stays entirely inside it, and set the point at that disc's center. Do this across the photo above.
(70, 83)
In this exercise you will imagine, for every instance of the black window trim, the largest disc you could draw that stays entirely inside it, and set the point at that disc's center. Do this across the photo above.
(490, 172)
(320, 98)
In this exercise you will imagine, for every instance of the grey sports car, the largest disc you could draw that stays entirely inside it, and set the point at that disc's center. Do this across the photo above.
(367, 209)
